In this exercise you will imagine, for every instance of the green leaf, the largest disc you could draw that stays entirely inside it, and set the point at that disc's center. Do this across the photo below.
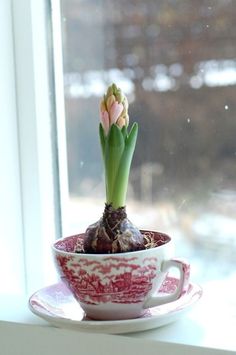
(113, 152)
(115, 137)
(132, 136)
(102, 140)
(124, 131)
(122, 176)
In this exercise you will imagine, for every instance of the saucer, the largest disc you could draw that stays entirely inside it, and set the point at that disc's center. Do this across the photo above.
(57, 305)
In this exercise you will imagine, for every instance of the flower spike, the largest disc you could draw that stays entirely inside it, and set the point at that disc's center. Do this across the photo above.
(114, 109)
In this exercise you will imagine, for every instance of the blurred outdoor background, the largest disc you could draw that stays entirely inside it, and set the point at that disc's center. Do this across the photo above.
(176, 61)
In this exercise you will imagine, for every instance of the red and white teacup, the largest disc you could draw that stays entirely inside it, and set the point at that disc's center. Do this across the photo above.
(122, 285)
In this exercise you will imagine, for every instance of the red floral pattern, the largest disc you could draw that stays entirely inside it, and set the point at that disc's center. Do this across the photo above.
(116, 280)
(106, 279)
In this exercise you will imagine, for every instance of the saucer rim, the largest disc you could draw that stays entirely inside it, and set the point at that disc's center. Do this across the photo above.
(186, 301)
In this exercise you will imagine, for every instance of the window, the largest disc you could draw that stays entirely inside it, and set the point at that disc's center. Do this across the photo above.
(176, 61)
(29, 128)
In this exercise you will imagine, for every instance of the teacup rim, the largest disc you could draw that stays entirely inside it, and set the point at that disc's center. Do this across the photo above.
(68, 253)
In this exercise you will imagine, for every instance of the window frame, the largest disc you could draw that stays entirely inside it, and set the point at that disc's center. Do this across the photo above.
(10, 186)
(37, 136)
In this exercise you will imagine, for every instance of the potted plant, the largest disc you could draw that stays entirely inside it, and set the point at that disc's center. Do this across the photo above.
(114, 269)
(114, 232)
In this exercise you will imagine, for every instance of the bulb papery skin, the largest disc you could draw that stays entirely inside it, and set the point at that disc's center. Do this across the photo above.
(113, 233)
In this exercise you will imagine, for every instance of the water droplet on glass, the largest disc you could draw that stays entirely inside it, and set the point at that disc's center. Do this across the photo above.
(188, 120)
(226, 107)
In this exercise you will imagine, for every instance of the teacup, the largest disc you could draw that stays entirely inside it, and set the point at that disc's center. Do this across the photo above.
(122, 285)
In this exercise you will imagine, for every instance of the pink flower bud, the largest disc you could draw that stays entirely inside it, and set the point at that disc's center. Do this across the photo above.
(105, 121)
(115, 112)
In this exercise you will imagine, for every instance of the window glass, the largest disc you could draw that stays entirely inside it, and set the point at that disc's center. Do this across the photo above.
(176, 61)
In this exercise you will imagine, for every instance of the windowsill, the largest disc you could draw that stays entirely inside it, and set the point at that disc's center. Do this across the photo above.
(207, 327)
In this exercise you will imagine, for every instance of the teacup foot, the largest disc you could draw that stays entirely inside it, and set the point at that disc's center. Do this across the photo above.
(112, 311)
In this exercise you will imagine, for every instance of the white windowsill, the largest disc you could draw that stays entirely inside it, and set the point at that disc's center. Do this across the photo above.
(209, 328)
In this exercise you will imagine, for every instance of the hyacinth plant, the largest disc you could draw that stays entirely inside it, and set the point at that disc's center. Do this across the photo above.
(117, 145)
(114, 233)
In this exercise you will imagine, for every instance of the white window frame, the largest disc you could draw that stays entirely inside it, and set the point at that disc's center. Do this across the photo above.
(30, 139)
(36, 144)
(10, 186)
(32, 207)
